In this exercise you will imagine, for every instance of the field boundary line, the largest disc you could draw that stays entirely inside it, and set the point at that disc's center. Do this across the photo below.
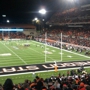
(66, 50)
(15, 54)
(76, 53)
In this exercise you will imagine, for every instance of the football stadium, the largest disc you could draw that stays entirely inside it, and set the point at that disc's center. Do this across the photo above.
(47, 55)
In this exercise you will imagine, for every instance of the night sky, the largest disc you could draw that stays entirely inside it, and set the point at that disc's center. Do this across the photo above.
(23, 11)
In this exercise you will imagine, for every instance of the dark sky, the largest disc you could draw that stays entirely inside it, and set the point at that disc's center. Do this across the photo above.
(23, 11)
(20, 11)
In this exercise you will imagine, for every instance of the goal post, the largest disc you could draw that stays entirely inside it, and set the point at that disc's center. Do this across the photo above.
(45, 46)
(50, 50)
(61, 46)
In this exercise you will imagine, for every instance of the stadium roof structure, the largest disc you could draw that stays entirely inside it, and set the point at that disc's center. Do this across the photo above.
(24, 26)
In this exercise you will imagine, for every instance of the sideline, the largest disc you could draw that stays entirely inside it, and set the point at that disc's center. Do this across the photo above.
(65, 50)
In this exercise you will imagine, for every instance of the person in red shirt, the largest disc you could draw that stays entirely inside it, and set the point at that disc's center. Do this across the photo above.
(81, 86)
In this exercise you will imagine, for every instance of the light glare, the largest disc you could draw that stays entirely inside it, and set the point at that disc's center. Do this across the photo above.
(36, 19)
(3, 15)
(42, 11)
(70, 0)
(8, 21)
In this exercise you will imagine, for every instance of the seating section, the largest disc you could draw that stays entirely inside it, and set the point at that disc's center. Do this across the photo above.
(12, 35)
(77, 36)
(74, 80)
(70, 16)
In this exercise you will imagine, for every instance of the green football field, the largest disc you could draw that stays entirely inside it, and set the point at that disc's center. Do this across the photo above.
(14, 53)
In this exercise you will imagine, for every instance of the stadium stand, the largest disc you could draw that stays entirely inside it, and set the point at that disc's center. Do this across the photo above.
(79, 15)
(73, 35)
(74, 26)
(76, 37)
(71, 81)
(13, 35)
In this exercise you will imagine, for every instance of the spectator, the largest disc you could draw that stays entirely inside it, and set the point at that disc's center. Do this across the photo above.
(39, 83)
(8, 85)
(88, 87)
(81, 86)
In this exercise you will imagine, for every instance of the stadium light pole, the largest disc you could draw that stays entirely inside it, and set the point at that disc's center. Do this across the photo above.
(42, 12)
(35, 18)
(8, 21)
(4, 18)
(36, 21)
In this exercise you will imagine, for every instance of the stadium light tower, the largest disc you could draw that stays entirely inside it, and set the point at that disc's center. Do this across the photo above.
(42, 11)
(4, 15)
(8, 21)
(36, 22)
(4, 18)
(35, 18)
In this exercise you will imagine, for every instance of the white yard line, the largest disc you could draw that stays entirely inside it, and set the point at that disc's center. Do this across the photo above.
(67, 51)
(15, 54)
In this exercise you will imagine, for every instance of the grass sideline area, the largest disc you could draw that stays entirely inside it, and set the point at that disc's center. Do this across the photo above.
(15, 53)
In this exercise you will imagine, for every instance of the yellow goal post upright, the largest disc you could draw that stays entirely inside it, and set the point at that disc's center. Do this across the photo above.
(46, 44)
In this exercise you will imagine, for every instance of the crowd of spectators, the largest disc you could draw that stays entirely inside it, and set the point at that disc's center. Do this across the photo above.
(73, 15)
(71, 81)
(77, 36)
(12, 35)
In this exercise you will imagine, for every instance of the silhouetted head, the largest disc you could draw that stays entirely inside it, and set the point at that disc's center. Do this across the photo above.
(8, 85)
